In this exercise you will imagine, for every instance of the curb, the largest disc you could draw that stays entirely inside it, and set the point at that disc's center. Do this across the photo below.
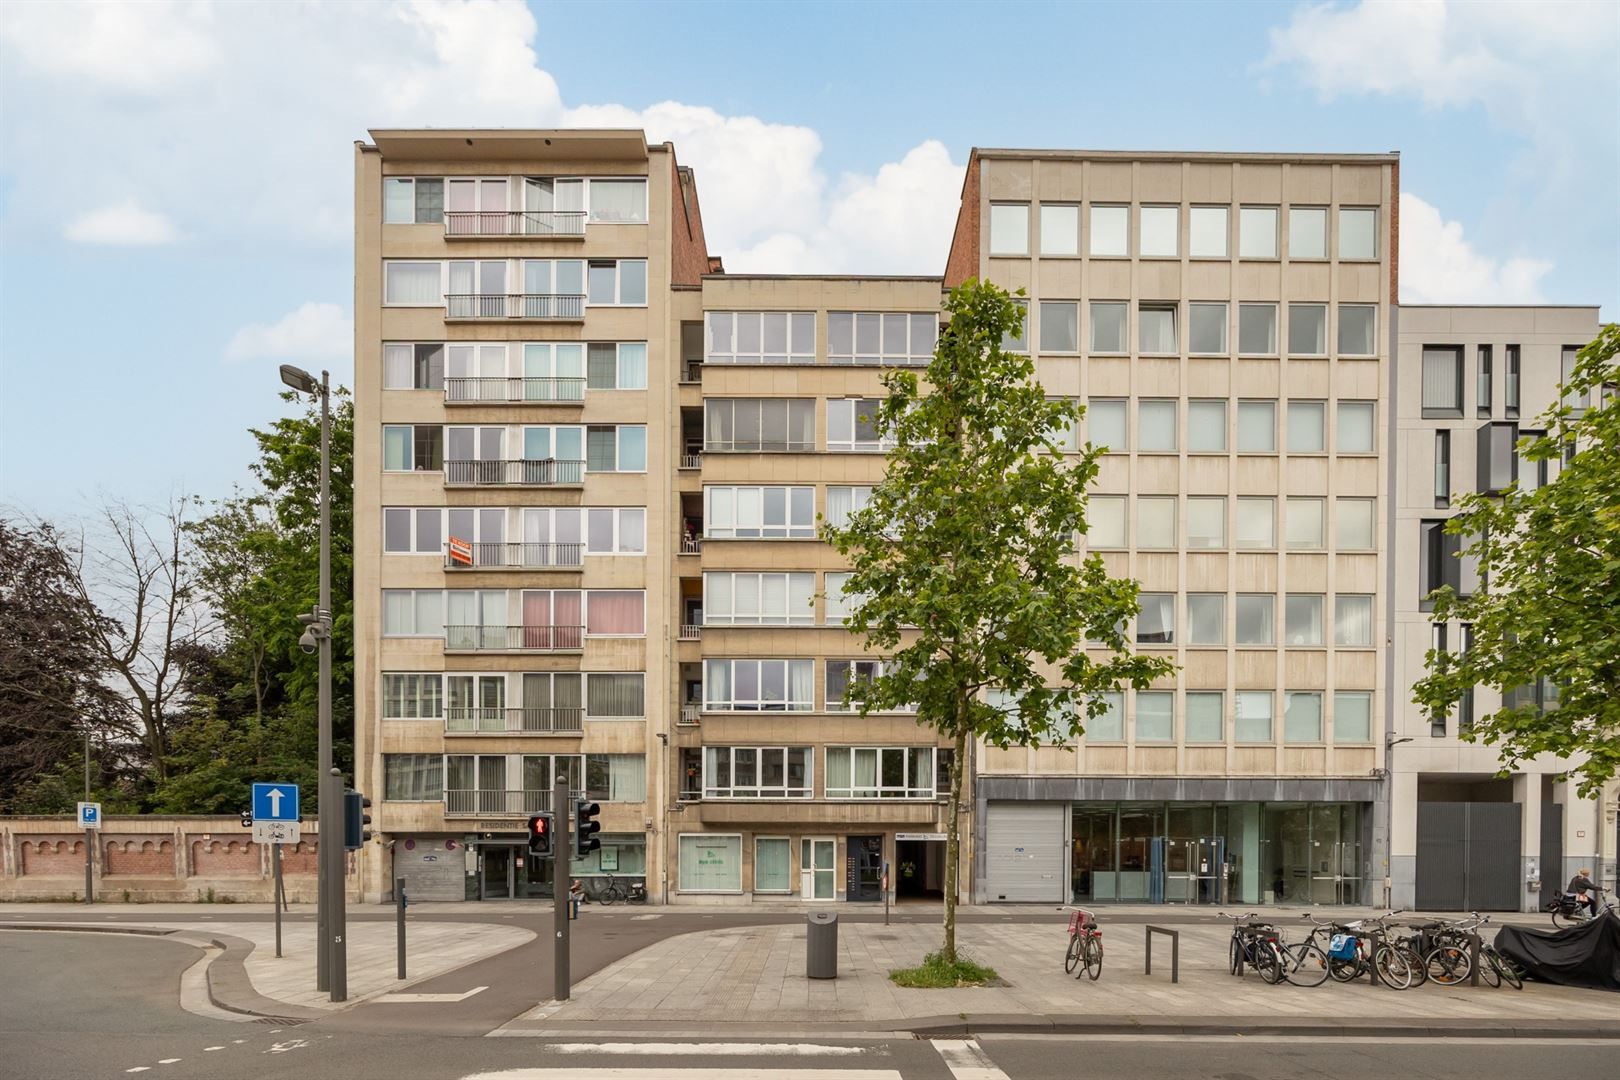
(228, 985)
(1440, 1028)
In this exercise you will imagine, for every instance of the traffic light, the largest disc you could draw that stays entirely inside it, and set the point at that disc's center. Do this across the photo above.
(355, 820)
(539, 835)
(587, 827)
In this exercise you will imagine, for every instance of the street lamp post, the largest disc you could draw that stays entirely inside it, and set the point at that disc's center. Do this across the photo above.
(331, 955)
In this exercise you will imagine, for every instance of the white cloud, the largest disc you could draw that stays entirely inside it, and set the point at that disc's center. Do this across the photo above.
(1440, 266)
(250, 128)
(123, 224)
(313, 331)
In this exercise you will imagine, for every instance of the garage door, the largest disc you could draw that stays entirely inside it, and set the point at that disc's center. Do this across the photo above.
(432, 869)
(1025, 852)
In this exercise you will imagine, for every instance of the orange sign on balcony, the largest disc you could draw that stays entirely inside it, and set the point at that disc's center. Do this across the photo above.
(461, 552)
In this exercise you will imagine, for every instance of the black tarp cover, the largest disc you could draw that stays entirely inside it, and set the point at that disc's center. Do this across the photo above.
(1584, 955)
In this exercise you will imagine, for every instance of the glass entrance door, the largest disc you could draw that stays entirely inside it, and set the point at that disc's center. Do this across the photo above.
(818, 868)
(496, 864)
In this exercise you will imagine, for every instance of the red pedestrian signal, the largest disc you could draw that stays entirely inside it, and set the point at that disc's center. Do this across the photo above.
(539, 834)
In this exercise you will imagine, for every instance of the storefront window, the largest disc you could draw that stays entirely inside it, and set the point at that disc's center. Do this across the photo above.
(710, 863)
(771, 865)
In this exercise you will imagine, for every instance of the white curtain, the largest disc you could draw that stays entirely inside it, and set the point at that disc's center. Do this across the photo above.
(1352, 620)
(801, 684)
(838, 769)
(1156, 425)
(1440, 380)
(633, 365)
(627, 778)
(413, 283)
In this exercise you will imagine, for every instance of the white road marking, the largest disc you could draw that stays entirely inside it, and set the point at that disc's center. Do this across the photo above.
(705, 1074)
(167, 1061)
(712, 1049)
(208, 1048)
(428, 999)
(290, 1044)
(239, 1041)
(139, 1068)
(966, 1060)
(639, 918)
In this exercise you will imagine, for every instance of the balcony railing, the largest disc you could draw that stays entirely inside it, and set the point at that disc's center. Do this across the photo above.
(496, 803)
(691, 461)
(513, 721)
(691, 545)
(691, 713)
(691, 632)
(547, 390)
(520, 556)
(691, 371)
(566, 307)
(462, 224)
(514, 638)
(545, 472)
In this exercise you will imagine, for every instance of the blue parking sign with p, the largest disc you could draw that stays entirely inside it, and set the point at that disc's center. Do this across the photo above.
(275, 802)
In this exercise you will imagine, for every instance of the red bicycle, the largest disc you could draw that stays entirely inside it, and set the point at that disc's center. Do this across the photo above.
(1085, 943)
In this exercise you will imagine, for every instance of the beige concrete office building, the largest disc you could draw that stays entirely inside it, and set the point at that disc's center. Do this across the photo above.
(1469, 382)
(589, 471)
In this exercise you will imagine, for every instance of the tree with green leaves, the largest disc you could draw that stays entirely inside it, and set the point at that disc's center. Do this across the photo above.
(1548, 612)
(964, 573)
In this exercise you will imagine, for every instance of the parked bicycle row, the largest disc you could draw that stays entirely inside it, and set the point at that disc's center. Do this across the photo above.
(1399, 956)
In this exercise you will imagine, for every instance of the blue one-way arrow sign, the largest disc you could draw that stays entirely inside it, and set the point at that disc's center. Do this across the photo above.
(275, 802)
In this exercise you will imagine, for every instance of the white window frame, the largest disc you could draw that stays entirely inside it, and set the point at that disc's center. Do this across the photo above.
(846, 411)
(419, 679)
(921, 337)
(713, 790)
(1142, 211)
(415, 513)
(732, 500)
(798, 326)
(438, 302)
(859, 669)
(1324, 237)
(1124, 213)
(417, 596)
(758, 704)
(1373, 256)
(1195, 212)
(802, 583)
(618, 284)
(620, 531)
(618, 364)
(908, 789)
(1022, 249)
(679, 888)
(1073, 212)
(780, 445)
(1253, 212)
(585, 612)
(618, 449)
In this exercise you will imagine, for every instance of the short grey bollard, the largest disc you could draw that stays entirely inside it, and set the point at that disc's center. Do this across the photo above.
(821, 946)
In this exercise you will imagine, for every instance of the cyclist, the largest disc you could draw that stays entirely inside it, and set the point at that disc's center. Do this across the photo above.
(1585, 891)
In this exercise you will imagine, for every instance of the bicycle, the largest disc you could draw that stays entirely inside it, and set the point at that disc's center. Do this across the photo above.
(1304, 963)
(1494, 968)
(1354, 949)
(1255, 944)
(1085, 944)
(1567, 911)
(613, 892)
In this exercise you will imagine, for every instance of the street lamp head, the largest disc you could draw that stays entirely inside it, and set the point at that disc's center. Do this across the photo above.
(299, 379)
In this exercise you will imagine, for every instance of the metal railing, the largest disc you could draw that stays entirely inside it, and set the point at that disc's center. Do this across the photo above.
(691, 632)
(496, 803)
(516, 720)
(691, 713)
(691, 461)
(545, 472)
(691, 545)
(691, 371)
(520, 556)
(514, 638)
(565, 306)
(541, 223)
(474, 390)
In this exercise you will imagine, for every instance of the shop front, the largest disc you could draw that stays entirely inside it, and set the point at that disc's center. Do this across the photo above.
(1144, 850)
(820, 867)
(498, 866)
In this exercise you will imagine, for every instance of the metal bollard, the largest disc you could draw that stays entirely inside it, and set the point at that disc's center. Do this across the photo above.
(821, 946)
(399, 921)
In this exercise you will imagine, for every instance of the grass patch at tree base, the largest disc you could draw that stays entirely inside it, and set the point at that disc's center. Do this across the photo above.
(936, 973)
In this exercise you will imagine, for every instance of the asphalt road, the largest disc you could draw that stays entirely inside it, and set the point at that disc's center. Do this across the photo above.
(80, 1006)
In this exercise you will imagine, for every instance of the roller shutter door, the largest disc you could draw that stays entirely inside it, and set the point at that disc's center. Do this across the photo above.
(1025, 852)
(431, 869)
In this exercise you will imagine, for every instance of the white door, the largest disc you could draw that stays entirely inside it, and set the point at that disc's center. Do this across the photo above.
(818, 868)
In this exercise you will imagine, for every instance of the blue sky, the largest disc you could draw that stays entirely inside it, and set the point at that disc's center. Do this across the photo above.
(176, 189)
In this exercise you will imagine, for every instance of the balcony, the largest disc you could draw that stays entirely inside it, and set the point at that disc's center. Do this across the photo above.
(691, 632)
(545, 472)
(496, 803)
(541, 307)
(691, 461)
(514, 639)
(513, 721)
(531, 224)
(691, 545)
(501, 390)
(518, 556)
(691, 714)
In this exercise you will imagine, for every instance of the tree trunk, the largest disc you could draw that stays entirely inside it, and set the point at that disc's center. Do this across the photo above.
(953, 836)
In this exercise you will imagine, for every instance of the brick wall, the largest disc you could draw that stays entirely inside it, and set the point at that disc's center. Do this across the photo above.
(689, 253)
(225, 858)
(144, 857)
(51, 856)
(299, 858)
(963, 261)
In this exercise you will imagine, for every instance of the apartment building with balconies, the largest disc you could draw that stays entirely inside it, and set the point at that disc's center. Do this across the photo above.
(515, 354)
(1470, 381)
(1226, 320)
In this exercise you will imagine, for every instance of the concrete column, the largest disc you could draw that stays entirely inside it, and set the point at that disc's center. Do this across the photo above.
(1580, 832)
(1403, 839)
(1527, 793)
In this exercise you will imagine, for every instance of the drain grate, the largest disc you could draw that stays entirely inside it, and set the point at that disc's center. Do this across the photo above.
(281, 1021)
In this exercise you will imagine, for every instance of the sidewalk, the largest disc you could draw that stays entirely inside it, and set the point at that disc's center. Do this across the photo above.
(270, 983)
(755, 976)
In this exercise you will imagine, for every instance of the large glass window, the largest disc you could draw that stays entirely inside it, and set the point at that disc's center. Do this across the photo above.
(843, 500)
(1105, 419)
(413, 777)
(1252, 719)
(1358, 232)
(1156, 330)
(852, 426)
(619, 201)
(1206, 618)
(871, 337)
(1156, 425)
(759, 685)
(756, 772)
(1353, 524)
(616, 365)
(1109, 726)
(1352, 716)
(1358, 330)
(1206, 232)
(1108, 326)
(1105, 521)
(880, 772)
(759, 424)
(1206, 329)
(1257, 232)
(413, 696)
(1059, 327)
(1156, 521)
(1306, 524)
(417, 366)
(1442, 381)
(617, 282)
(1307, 427)
(412, 284)
(1156, 622)
(768, 513)
(1257, 329)
(1206, 521)
(710, 863)
(1160, 235)
(1256, 618)
(1255, 523)
(1009, 228)
(1060, 229)
(1352, 619)
(1205, 721)
(616, 777)
(1307, 329)
(1110, 231)
(1307, 232)
(413, 200)
(1155, 716)
(771, 865)
(616, 448)
(1257, 427)
(754, 599)
(1206, 426)
(843, 675)
(1302, 619)
(1302, 716)
(609, 695)
(1355, 428)
(761, 337)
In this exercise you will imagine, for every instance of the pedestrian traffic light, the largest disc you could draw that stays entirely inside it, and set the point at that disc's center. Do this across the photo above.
(587, 827)
(539, 835)
(355, 820)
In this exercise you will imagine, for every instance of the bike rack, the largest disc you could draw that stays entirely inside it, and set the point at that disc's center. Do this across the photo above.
(1175, 952)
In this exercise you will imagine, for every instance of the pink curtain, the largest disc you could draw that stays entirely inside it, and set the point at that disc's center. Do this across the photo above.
(537, 620)
(569, 620)
(613, 612)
